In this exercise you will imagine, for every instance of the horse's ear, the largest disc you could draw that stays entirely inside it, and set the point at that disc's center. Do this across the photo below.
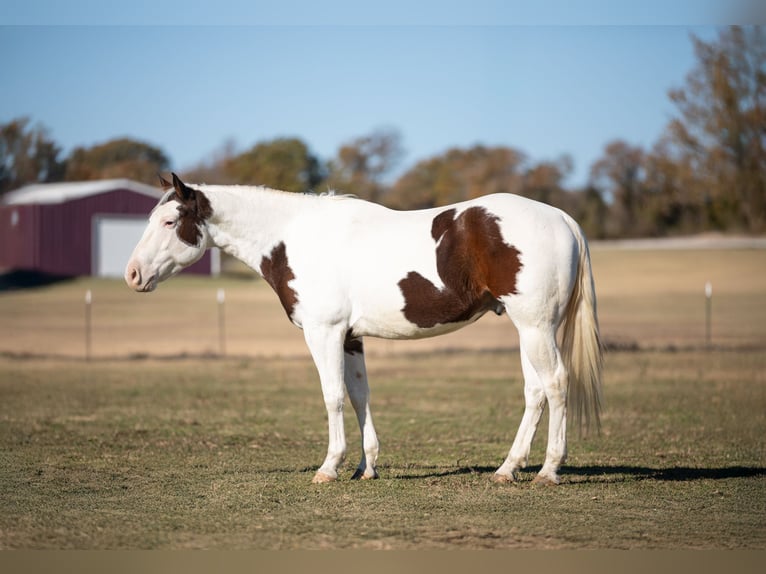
(183, 193)
(164, 183)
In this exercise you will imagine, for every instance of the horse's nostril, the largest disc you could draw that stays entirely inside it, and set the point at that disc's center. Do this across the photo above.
(133, 275)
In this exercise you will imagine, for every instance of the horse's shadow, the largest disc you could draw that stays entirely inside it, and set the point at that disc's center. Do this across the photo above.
(603, 473)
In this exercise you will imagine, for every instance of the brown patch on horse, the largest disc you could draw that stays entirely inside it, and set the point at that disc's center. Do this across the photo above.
(475, 264)
(194, 209)
(193, 214)
(277, 272)
(351, 345)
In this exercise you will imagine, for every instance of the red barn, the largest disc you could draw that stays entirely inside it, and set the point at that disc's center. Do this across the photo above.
(79, 228)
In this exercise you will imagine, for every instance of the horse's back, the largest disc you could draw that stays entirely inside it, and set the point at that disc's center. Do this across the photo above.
(420, 273)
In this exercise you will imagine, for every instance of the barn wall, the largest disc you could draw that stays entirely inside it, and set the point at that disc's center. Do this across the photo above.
(18, 229)
(66, 228)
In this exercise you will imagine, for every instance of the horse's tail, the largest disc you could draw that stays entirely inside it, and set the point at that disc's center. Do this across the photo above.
(581, 343)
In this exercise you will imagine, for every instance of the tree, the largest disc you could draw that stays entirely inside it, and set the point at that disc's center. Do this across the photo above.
(213, 170)
(676, 199)
(722, 125)
(362, 163)
(116, 159)
(457, 175)
(545, 182)
(590, 210)
(27, 155)
(619, 176)
(282, 163)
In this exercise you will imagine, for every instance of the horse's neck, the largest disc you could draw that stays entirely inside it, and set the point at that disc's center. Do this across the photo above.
(248, 222)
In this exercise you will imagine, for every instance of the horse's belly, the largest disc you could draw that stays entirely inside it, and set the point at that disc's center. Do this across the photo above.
(396, 326)
(396, 309)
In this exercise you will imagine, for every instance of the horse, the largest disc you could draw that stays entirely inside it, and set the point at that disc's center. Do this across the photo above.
(344, 268)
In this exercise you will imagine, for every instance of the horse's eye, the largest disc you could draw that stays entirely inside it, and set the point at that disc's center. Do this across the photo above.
(170, 223)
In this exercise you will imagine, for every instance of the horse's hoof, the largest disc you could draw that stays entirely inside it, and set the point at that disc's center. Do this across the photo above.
(322, 478)
(360, 475)
(503, 478)
(545, 480)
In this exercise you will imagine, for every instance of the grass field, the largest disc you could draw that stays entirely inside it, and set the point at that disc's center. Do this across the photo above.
(158, 443)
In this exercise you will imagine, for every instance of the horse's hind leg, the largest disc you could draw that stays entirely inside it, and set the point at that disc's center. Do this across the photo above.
(545, 380)
(534, 399)
(358, 389)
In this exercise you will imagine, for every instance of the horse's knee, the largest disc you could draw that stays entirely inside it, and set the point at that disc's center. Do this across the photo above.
(556, 386)
(334, 403)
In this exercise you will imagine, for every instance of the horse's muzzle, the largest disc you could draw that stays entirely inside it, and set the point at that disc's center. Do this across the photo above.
(136, 280)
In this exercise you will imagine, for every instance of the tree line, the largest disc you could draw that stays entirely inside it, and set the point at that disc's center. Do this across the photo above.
(707, 170)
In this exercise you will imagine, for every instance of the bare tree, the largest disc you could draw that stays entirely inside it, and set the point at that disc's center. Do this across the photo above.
(362, 164)
(27, 155)
(721, 129)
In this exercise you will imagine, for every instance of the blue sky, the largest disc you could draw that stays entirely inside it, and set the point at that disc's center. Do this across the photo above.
(461, 77)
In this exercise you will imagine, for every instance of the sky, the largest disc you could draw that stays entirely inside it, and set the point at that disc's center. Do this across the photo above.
(188, 79)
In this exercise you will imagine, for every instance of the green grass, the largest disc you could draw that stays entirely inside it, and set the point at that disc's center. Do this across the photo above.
(220, 454)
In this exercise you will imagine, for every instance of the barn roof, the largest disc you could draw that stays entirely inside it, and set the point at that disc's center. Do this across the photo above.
(52, 193)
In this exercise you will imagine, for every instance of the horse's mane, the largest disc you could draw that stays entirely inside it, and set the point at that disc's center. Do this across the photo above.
(330, 194)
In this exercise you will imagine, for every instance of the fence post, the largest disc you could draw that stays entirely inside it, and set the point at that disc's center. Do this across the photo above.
(221, 321)
(88, 301)
(708, 314)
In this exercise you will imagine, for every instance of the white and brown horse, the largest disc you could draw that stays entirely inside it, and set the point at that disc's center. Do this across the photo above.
(344, 269)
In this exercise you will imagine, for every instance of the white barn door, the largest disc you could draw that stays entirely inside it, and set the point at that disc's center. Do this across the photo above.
(114, 238)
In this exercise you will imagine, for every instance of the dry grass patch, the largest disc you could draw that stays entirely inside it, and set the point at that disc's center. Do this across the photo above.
(220, 454)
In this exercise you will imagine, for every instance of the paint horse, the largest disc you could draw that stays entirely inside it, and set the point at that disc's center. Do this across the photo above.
(344, 268)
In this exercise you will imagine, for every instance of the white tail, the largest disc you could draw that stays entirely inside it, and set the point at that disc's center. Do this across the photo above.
(581, 343)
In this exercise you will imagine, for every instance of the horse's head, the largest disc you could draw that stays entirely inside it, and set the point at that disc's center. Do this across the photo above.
(175, 237)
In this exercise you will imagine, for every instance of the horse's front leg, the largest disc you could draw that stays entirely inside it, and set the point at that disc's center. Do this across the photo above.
(359, 393)
(326, 345)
